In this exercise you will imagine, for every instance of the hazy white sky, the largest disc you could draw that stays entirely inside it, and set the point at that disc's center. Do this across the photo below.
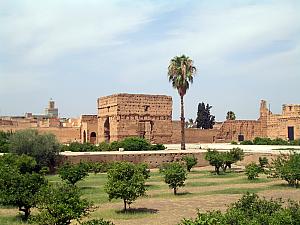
(75, 51)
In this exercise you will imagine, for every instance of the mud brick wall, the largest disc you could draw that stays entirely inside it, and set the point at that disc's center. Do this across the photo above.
(192, 135)
(127, 115)
(154, 160)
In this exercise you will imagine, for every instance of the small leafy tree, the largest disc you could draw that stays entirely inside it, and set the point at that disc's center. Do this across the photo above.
(72, 173)
(125, 181)
(234, 155)
(174, 175)
(230, 115)
(190, 162)
(44, 148)
(215, 159)
(19, 183)
(263, 162)
(204, 119)
(60, 204)
(287, 167)
(252, 170)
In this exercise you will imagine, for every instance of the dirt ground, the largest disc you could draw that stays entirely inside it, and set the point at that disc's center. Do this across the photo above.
(169, 211)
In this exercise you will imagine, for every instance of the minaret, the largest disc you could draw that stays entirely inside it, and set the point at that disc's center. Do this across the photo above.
(264, 113)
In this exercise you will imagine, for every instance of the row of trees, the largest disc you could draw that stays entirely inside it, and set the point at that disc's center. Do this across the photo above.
(24, 185)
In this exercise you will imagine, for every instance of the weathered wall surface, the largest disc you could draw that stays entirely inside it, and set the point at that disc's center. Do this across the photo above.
(63, 135)
(231, 129)
(154, 160)
(126, 115)
(192, 135)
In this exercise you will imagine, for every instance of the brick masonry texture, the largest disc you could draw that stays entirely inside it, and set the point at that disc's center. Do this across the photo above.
(150, 117)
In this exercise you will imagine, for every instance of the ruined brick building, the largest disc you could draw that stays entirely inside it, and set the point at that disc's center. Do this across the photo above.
(150, 117)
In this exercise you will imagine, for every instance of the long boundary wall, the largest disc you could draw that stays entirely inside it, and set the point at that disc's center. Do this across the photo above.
(154, 160)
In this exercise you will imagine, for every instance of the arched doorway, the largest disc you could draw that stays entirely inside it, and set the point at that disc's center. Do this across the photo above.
(84, 136)
(107, 130)
(93, 137)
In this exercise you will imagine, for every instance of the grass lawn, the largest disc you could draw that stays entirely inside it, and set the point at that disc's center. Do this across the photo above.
(203, 190)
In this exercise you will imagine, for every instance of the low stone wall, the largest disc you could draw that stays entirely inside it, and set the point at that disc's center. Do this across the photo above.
(153, 159)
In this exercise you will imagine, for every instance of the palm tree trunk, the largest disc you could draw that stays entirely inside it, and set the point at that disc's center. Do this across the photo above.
(182, 124)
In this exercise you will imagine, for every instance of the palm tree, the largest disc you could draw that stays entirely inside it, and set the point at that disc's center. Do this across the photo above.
(181, 72)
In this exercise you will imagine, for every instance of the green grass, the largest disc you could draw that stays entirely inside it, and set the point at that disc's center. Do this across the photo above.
(134, 213)
(11, 220)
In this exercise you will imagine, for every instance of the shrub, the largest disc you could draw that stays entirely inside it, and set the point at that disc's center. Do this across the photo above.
(73, 173)
(251, 210)
(215, 159)
(262, 141)
(59, 204)
(19, 182)
(97, 222)
(263, 162)
(4, 142)
(80, 147)
(252, 170)
(157, 147)
(246, 142)
(190, 162)
(44, 148)
(114, 146)
(233, 143)
(135, 144)
(174, 175)
(103, 146)
(126, 181)
(287, 167)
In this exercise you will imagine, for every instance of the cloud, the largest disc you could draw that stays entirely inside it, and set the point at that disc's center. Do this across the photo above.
(47, 30)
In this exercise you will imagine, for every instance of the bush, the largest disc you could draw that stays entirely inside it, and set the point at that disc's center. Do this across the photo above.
(4, 142)
(190, 162)
(19, 182)
(44, 148)
(80, 147)
(246, 142)
(59, 204)
(126, 181)
(114, 146)
(174, 175)
(233, 143)
(287, 167)
(263, 162)
(157, 147)
(73, 173)
(97, 222)
(103, 146)
(135, 144)
(251, 210)
(252, 170)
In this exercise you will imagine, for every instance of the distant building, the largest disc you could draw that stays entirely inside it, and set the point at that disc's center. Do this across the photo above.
(51, 111)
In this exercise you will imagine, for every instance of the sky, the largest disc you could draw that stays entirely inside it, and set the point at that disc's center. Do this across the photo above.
(75, 51)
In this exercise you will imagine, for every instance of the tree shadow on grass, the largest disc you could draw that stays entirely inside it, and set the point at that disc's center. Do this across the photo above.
(137, 211)
(183, 193)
